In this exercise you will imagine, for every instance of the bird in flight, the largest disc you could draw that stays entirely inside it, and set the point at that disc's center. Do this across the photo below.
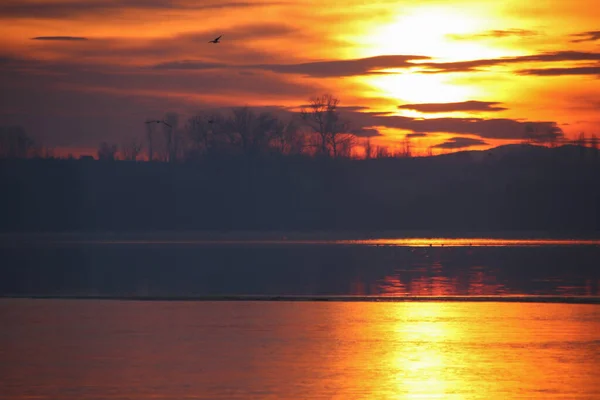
(216, 40)
(158, 122)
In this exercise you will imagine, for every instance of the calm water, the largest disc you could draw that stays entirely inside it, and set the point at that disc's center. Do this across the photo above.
(184, 266)
(109, 349)
(105, 349)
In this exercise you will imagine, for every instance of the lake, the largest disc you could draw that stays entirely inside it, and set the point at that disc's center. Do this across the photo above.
(153, 317)
(107, 349)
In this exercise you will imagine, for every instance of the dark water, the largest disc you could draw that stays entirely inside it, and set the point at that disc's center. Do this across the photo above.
(58, 265)
(107, 349)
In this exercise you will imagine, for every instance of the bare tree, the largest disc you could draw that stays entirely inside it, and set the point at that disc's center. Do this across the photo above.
(430, 151)
(106, 151)
(170, 132)
(382, 152)
(131, 150)
(406, 148)
(250, 131)
(287, 137)
(581, 142)
(322, 116)
(207, 133)
(150, 140)
(549, 136)
(368, 147)
(14, 142)
(199, 131)
(344, 144)
(594, 143)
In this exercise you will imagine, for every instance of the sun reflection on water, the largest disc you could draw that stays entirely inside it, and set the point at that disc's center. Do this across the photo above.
(422, 242)
(421, 365)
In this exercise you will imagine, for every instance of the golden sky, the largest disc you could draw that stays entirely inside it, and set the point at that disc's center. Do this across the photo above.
(451, 74)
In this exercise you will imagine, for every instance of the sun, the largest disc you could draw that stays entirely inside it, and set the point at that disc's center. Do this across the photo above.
(427, 31)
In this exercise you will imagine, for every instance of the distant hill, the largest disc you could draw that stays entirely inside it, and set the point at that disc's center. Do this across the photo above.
(527, 152)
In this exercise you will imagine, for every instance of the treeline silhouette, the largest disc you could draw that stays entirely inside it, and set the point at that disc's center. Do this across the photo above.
(517, 187)
(253, 170)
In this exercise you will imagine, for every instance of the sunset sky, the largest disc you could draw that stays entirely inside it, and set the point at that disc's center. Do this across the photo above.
(451, 74)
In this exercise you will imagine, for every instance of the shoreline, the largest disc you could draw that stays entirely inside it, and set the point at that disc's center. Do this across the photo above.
(325, 234)
(325, 298)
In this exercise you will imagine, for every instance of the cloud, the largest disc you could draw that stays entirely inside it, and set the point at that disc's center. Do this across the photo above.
(415, 135)
(243, 44)
(372, 65)
(188, 64)
(472, 65)
(52, 77)
(62, 9)
(60, 38)
(460, 143)
(497, 33)
(590, 36)
(498, 128)
(562, 71)
(340, 68)
(471, 105)
(366, 132)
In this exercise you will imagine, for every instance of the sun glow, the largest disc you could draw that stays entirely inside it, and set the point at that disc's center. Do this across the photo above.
(427, 31)
(409, 87)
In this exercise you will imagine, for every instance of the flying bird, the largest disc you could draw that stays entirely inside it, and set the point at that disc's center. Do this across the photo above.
(158, 122)
(216, 40)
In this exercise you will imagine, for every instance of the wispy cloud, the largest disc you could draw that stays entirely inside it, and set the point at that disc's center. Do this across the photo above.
(375, 65)
(589, 36)
(472, 65)
(495, 34)
(595, 70)
(460, 143)
(340, 68)
(189, 64)
(62, 9)
(321, 69)
(471, 105)
(60, 38)
(415, 135)
(495, 128)
(366, 132)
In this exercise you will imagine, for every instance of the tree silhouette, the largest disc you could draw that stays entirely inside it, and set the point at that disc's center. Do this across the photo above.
(150, 139)
(549, 136)
(172, 138)
(14, 142)
(368, 147)
(131, 150)
(286, 138)
(106, 151)
(251, 132)
(322, 116)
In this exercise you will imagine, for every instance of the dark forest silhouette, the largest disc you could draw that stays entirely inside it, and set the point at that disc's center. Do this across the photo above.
(251, 170)
(525, 187)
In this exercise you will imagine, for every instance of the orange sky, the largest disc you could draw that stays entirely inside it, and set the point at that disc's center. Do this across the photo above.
(466, 74)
